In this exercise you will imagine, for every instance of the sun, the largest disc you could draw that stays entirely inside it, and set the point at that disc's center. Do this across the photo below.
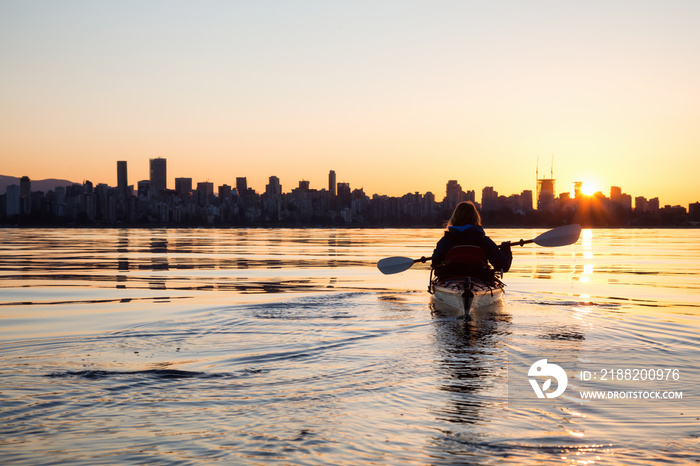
(588, 188)
(584, 188)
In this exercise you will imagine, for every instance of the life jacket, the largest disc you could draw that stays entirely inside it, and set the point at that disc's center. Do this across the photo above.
(465, 260)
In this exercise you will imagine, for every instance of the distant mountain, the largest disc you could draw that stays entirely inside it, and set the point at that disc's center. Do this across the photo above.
(37, 185)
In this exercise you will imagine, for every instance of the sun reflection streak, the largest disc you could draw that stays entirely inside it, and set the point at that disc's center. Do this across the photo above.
(587, 238)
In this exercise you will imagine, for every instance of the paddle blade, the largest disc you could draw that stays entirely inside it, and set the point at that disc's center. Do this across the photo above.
(390, 265)
(560, 236)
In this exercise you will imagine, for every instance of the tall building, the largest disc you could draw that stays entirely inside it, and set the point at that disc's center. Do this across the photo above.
(545, 188)
(274, 188)
(12, 200)
(344, 191)
(545, 193)
(526, 198)
(159, 179)
(183, 185)
(654, 205)
(25, 195)
(241, 185)
(332, 183)
(625, 201)
(641, 204)
(616, 194)
(224, 192)
(122, 182)
(454, 194)
(694, 212)
(489, 198)
(143, 187)
(205, 192)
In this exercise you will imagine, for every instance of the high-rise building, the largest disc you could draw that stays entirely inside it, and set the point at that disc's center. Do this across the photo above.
(274, 188)
(545, 188)
(489, 198)
(183, 185)
(654, 205)
(616, 194)
(453, 194)
(224, 192)
(332, 183)
(159, 179)
(143, 187)
(545, 193)
(625, 201)
(12, 200)
(25, 195)
(641, 204)
(205, 192)
(344, 191)
(122, 182)
(241, 185)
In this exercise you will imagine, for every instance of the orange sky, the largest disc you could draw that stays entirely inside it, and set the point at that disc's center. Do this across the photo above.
(394, 96)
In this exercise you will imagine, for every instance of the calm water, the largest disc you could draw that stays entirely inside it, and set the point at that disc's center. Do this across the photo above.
(289, 347)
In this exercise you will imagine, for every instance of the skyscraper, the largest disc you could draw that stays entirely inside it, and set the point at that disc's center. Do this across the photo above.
(241, 185)
(489, 198)
(224, 192)
(122, 182)
(545, 188)
(13, 200)
(453, 193)
(331, 183)
(25, 196)
(205, 192)
(344, 191)
(616, 194)
(183, 186)
(274, 188)
(159, 179)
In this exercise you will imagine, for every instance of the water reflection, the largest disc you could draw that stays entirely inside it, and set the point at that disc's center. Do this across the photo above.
(470, 360)
(132, 258)
(158, 250)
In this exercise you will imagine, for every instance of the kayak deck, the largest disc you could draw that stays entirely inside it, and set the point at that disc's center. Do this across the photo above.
(464, 294)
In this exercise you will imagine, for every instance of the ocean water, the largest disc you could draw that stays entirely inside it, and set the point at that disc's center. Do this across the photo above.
(283, 346)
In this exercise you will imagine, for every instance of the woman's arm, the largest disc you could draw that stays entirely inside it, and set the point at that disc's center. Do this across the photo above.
(499, 257)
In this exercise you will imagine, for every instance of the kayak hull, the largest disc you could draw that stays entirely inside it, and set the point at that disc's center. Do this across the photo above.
(463, 295)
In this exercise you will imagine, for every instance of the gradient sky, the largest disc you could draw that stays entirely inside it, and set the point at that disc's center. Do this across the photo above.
(395, 96)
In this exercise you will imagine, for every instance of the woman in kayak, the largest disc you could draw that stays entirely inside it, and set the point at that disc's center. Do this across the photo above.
(464, 228)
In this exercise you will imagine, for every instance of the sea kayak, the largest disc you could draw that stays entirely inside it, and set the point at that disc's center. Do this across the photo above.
(465, 294)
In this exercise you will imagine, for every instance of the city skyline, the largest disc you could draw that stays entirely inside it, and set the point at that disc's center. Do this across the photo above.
(392, 95)
(157, 182)
(157, 166)
(150, 202)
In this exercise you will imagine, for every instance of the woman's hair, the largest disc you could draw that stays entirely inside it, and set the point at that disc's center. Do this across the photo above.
(465, 214)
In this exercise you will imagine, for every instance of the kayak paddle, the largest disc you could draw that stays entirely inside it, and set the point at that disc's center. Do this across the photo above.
(397, 264)
(560, 236)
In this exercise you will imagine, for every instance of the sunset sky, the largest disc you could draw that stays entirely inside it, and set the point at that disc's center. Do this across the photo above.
(395, 96)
